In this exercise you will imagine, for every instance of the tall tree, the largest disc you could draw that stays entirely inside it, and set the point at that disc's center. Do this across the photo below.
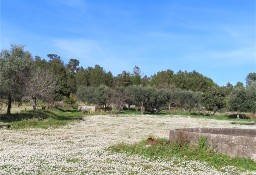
(98, 76)
(42, 63)
(251, 79)
(162, 79)
(56, 66)
(239, 85)
(145, 81)
(72, 69)
(15, 65)
(192, 81)
(123, 79)
(227, 89)
(82, 77)
(136, 76)
(72, 65)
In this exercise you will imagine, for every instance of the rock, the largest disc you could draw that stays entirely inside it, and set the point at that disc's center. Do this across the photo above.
(5, 125)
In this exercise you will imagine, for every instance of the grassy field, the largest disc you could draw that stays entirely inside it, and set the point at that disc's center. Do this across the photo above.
(164, 150)
(24, 117)
(82, 146)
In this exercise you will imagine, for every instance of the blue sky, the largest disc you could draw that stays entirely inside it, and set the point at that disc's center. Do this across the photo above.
(214, 37)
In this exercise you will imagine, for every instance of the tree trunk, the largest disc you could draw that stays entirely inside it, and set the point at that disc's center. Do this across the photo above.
(237, 116)
(34, 103)
(215, 109)
(9, 104)
(141, 109)
(169, 106)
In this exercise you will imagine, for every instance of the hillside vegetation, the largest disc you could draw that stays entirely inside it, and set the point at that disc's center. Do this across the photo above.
(24, 78)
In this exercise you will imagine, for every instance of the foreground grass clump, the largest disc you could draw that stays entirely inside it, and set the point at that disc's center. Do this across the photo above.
(41, 118)
(200, 152)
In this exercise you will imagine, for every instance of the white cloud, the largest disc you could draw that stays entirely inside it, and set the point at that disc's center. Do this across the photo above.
(235, 57)
(76, 48)
(91, 52)
(74, 3)
(247, 54)
(79, 5)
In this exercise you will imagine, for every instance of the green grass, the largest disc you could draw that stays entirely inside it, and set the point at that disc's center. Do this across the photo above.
(244, 122)
(130, 112)
(200, 152)
(73, 160)
(198, 115)
(224, 117)
(41, 119)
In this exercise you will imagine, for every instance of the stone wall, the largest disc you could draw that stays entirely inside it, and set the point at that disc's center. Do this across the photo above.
(233, 142)
(86, 108)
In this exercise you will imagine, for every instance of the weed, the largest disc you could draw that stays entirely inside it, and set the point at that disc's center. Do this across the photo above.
(73, 160)
(202, 143)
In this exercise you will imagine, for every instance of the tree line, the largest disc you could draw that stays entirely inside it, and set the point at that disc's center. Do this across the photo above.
(23, 77)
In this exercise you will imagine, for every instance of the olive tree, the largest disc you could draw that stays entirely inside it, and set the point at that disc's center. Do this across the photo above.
(102, 96)
(41, 84)
(15, 65)
(86, 94)
(213, 99)
(156, 99)
(135, 96)
(147, 98)
(243, 99)
(251, 98)
(117, 97)
(94, 95)
(184, 99)
(237, 100)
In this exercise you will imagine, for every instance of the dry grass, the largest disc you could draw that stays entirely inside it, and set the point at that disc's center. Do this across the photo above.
(16, 109)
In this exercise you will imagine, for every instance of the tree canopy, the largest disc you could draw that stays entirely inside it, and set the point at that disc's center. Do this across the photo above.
(15, 67)
(251, 79)
(51, 79)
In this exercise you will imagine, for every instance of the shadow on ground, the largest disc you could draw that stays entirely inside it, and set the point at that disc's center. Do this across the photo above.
(38, 114)
(241, 116)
